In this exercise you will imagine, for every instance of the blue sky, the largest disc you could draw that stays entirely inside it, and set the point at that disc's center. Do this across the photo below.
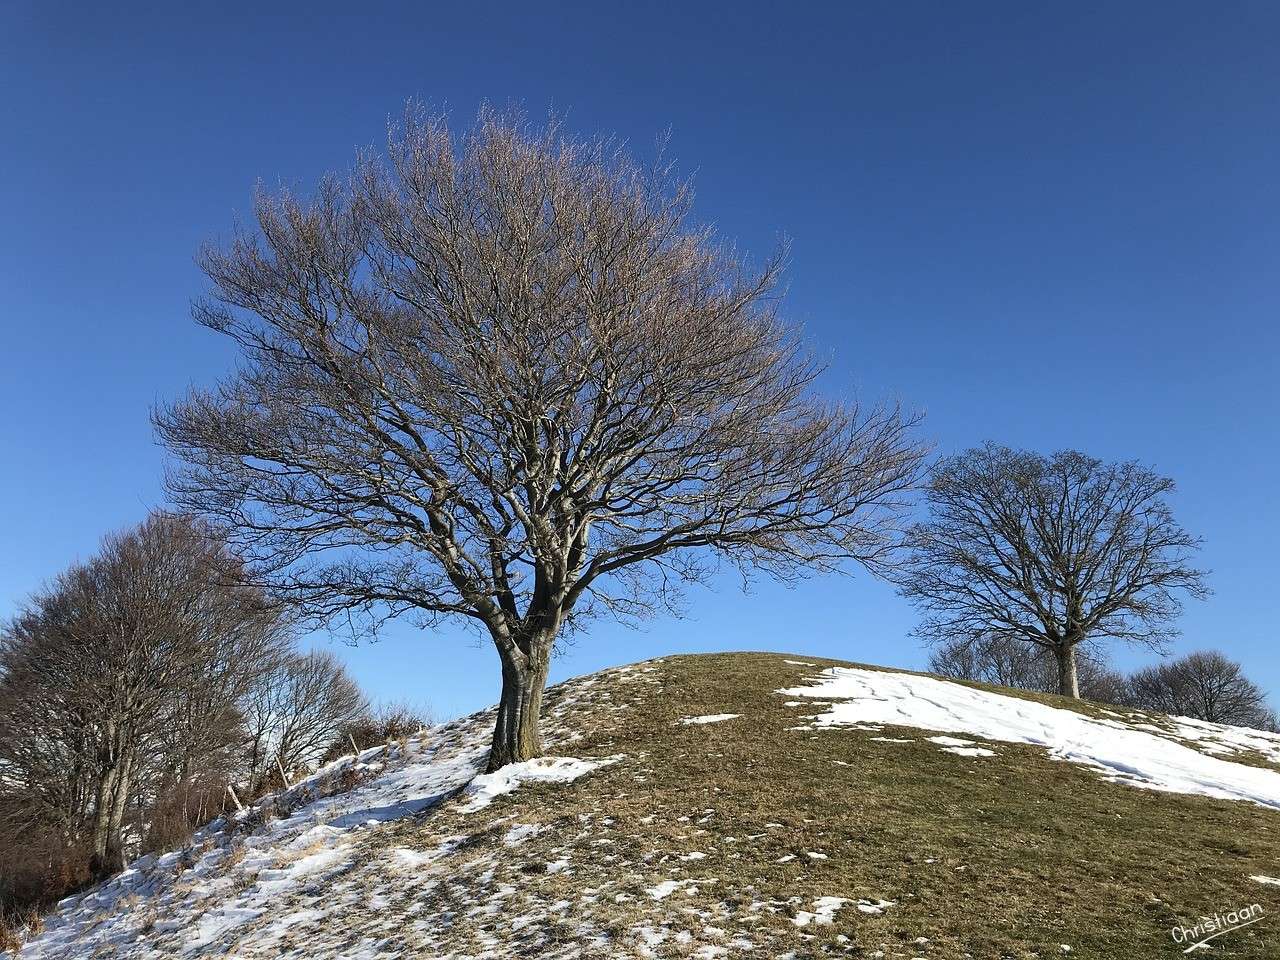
(1045, 224)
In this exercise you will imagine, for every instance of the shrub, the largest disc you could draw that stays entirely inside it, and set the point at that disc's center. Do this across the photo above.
(382, 724)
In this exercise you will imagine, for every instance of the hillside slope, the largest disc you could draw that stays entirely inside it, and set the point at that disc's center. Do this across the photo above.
(732, 805)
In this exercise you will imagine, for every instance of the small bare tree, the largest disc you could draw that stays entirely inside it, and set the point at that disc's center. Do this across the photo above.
(1206, 685)
(1051, 551)
(297, 710)
(502, 378)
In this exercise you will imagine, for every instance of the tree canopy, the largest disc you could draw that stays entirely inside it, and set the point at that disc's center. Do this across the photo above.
(1048, 550)
(503, 376)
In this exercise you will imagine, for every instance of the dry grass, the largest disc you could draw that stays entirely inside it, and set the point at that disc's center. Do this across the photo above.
(1000, 857)
(1010, 856)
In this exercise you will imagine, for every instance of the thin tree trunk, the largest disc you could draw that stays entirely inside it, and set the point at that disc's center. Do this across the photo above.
(102, 806)
(517, 734)
(110, 801)
(1068, 682)
(184, 783)
(114, 860)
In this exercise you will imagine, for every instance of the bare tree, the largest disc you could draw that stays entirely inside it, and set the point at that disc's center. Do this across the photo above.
(1006, 662)
(298, 709)
(502, 378)
(46, 761)
(1206, 685)
(235, 637)
(1050, 551)
(108, 662)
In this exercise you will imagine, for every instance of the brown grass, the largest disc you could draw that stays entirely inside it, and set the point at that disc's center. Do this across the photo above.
(1000, 857)
(1009, 856)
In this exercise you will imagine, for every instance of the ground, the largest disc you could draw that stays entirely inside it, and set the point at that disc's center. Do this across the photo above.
(710, 815)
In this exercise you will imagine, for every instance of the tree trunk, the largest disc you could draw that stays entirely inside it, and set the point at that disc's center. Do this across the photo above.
(102, 806)
(110, 801)
(114, 857)
(517, 735)
(1068, 683)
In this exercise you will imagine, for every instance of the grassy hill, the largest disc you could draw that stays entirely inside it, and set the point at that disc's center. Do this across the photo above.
(760, 834)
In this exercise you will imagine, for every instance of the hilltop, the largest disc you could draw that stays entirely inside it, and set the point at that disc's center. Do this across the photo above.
(734, 805)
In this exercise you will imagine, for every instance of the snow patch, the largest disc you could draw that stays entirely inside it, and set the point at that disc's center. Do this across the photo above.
(969, 751)
(667, 887)
(1151, 759)
(876, 906)
(1220, 738)
(963, 748)
(950, 742)
(710, 718)
(520, 833)
(823, 913)
(261, 887)
(487, 787)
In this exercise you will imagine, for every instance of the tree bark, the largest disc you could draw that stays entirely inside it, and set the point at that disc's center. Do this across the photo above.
(102, 806)
(517, 735)
(1068, 682)
(110, 801)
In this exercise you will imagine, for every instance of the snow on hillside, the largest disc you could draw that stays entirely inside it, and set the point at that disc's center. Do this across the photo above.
(341, 871)
(238, 874)
(1137, 753)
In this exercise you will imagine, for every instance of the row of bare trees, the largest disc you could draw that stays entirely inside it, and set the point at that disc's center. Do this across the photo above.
(133, 689)
(1204, 685)
(1005, 662)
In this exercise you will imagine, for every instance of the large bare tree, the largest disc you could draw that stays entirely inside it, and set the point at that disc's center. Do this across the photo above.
(1051, 551)
(503, 377)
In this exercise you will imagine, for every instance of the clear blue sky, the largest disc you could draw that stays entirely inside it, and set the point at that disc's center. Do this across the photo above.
(1045, 224)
